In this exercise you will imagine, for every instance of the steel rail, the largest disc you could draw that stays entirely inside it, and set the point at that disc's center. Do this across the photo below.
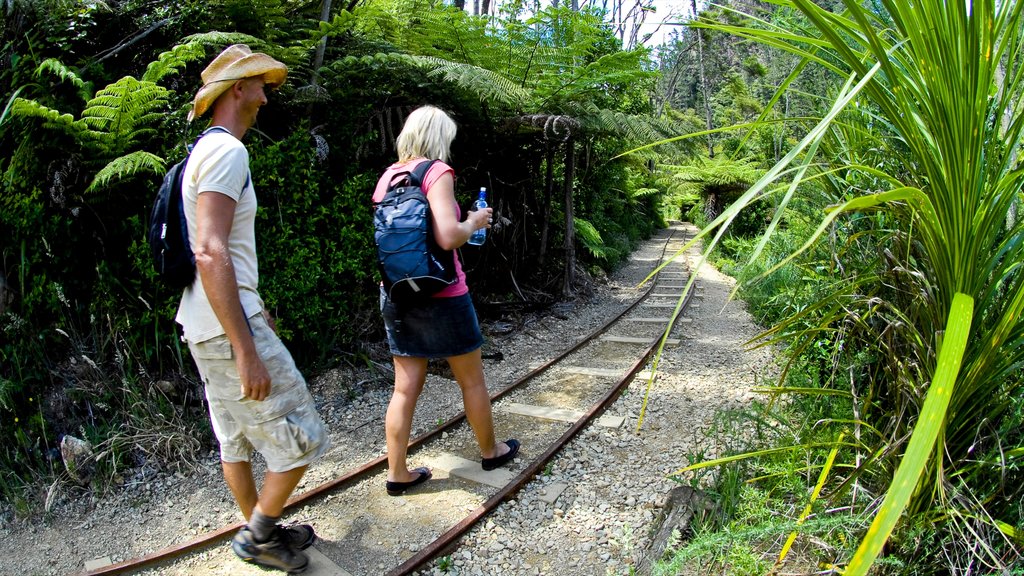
(372, 466)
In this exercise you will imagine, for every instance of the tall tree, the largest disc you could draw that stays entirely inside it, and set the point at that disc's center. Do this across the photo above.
(570, 219)
(703, 83)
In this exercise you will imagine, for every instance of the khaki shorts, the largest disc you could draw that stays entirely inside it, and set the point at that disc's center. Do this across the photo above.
(285, 427)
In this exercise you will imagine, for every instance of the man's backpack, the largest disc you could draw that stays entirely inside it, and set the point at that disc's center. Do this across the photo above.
(412, 265)
(173, 259)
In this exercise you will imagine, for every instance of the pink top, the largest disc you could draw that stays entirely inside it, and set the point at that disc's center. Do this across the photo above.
(436, 171)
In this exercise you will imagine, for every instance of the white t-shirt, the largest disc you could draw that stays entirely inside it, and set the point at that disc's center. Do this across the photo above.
(220, 164)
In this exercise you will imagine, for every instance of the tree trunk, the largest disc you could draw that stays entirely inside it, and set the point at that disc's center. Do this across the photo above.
(318, 59)
(570, 229)
(460, 4)
(549, 188)
(703, 81)
(485, 8)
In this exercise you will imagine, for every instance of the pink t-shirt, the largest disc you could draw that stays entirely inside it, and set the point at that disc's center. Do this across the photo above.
(436, 171)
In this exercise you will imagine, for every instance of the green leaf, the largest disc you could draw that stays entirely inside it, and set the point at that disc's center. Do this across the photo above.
(923, 441)
(127, 165)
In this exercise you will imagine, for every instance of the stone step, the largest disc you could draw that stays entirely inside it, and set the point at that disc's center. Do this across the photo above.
(471, 470)
(681, 320)
(320, 565)
(559, 414)
(634, 340)
(605, 372)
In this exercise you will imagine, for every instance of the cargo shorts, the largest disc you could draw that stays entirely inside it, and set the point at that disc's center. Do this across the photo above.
(285, 427)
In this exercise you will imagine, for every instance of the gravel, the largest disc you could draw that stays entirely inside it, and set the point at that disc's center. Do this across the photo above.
(591, 512)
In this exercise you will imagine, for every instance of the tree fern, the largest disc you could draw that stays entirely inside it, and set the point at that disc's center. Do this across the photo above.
(590, 237)
(127, 165)
(65, 74)
(216, 38)
(123, 113)
(487, 84)
(173, 60)
(51, 118)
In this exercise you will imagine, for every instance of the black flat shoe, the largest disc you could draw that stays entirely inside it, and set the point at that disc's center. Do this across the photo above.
(399, 488)
(498, 461)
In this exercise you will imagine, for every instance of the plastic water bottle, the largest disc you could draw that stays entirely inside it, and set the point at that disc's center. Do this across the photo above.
(478, 236)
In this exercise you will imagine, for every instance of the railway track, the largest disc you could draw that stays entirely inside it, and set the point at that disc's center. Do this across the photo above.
(545, 408)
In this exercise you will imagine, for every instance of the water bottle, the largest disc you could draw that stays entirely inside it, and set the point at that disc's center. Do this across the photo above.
(478, 236)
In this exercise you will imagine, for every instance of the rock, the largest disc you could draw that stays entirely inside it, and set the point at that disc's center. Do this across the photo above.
(78, 458)
(166, 387)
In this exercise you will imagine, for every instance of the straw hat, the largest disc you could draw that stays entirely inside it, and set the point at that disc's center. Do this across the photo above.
(235, 63)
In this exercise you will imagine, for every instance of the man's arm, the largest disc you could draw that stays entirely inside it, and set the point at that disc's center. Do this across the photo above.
(214, 214)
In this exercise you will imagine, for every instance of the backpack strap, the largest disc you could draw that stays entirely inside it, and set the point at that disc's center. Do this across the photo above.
(416, 176)
(215, 128)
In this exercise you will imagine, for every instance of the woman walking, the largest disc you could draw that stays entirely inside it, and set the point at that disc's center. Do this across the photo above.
(442, 326)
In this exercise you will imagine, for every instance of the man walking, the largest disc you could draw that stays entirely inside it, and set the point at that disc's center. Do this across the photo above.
(258, 399)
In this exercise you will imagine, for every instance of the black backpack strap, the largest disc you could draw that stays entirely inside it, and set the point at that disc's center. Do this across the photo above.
(188, 150)
(204, 133)
(416, 176)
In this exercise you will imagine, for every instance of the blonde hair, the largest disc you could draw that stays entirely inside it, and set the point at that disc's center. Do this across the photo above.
(428, 133)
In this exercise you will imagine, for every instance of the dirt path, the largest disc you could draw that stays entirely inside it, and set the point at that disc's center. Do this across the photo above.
(590, 513)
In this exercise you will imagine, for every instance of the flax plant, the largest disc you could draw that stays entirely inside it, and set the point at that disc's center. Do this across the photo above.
(941, 84)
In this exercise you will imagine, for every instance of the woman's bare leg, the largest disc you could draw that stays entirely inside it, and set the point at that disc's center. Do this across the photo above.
(410, 374)
(469, 373)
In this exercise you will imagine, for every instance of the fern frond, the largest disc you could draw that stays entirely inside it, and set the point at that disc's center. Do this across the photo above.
(720, 175)
(378, 59)
(127, 165)
(219, 39)
(64, 74)
(618, 69)
(122, 113)
(58, 69)
(294, 56)
(486, 84)
(590, 237)
(51, 118)
(172, 61)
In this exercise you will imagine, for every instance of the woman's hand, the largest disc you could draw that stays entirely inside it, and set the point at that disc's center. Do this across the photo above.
(448, 231)
(481, 218)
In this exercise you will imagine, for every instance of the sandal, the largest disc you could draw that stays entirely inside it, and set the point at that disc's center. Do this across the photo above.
(498, 461)
(399, 488)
